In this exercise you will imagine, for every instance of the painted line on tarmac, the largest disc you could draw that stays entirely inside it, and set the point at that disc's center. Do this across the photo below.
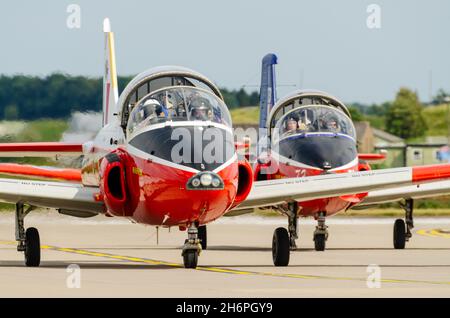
(435, 233)
(225, 270)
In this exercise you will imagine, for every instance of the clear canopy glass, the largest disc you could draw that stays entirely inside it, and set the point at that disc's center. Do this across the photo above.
(178, 103)
(314, 119)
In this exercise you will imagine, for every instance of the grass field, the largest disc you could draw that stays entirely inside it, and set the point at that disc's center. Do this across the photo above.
(245, 115)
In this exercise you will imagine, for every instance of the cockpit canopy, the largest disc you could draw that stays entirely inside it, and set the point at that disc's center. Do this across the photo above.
(178, 103)
(313, 119)
(157, 78)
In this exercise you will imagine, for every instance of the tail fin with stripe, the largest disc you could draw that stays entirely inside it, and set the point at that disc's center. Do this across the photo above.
(267, 97)
(110, 87)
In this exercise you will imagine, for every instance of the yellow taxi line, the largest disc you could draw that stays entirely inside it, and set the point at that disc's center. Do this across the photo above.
(225, 270)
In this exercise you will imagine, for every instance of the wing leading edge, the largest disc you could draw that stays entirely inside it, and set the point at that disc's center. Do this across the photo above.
(58, 195)
(273, 192)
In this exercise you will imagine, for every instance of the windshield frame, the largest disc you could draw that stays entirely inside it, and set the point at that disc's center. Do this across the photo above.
(220, 104)
(277, 136)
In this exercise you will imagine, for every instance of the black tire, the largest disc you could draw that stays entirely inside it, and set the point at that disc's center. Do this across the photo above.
(32, 248)
(190, 259)
(202, 235)
(319, 242)
(399, 234)
(280, 247)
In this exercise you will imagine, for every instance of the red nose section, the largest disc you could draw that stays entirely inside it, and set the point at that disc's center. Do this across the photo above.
(165, 200)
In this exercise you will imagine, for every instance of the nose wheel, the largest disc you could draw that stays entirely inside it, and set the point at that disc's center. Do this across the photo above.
(190, 259)
(321, 233)
(192, 248)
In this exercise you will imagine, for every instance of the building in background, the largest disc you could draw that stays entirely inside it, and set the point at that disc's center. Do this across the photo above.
(394, 146)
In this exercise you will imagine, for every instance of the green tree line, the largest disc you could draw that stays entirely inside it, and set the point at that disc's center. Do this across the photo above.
(403, 117)
(58, 95)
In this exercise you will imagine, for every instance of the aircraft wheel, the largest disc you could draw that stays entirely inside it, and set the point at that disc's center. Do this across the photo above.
(319, 242)
(190, 259)
(32, 248)
(280, 247)
(202, 236)
(399, 234)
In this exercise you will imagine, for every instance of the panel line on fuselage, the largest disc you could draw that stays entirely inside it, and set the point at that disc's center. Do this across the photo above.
(184, 123)
(145, 156)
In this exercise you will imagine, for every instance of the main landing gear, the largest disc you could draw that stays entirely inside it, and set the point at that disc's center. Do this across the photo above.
(28, 241)
(192, 247)
(283, 240)
(402, 231)
(321, 233)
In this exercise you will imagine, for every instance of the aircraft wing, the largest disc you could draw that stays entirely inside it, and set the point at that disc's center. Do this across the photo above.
(273, 192)
(58, 195)
(40, 149)
(419, 191)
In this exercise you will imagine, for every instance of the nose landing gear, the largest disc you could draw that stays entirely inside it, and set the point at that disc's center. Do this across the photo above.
(321, 233)
(192, 248)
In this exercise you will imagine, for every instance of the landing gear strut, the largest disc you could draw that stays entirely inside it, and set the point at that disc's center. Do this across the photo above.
(202, 235)
(402, 231)
(293, 225)
(28, 241)
(191, 248)
(321, 233)
(283, 240)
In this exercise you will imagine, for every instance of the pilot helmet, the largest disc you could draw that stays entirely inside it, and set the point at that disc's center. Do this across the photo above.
(292, 118)
(199, 109)
(331, 122)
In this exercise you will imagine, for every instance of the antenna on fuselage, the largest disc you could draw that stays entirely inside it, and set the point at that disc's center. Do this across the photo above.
(267, 98)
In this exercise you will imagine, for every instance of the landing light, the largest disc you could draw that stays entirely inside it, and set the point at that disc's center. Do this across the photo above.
(205, 181)
(215, 182)
(196, 182)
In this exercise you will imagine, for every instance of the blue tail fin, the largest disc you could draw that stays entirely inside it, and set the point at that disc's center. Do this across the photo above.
(267, 98)
(268, 88)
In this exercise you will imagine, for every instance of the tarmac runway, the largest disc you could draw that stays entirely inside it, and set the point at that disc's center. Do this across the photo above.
(120, 259)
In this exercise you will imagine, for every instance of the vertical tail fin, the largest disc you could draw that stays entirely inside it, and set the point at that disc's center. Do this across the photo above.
(267, 97)
(110, 87)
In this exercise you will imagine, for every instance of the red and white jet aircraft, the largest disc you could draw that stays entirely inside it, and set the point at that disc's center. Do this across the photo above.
(307, 153)
(166, 157)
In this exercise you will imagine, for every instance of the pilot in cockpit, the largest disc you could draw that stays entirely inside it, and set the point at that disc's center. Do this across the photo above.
(152, 111)
(199, 109)
(332, 125)
(291, 125)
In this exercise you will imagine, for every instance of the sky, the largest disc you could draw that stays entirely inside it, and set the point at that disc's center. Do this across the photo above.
(325, 45)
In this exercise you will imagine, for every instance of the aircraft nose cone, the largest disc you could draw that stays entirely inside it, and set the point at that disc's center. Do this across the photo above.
(323, 152)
